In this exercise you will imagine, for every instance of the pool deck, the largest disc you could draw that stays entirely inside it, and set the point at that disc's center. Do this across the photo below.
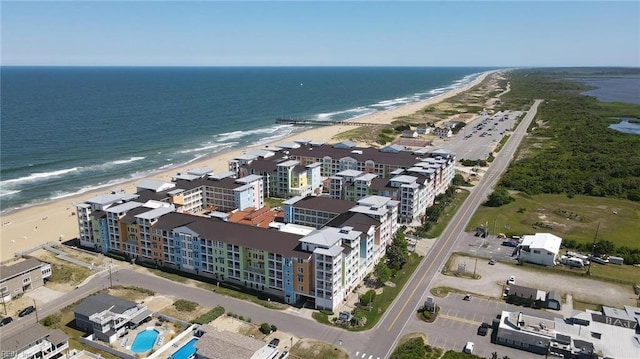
(168, 348)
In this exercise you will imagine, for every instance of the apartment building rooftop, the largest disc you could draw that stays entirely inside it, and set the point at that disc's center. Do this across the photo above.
(154, 185)
(269, 240)
(360, 154)
(324, 204)
(358, 221)
(110, 198)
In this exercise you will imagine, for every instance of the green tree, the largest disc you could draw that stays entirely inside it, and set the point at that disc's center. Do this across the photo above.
(397, 251)
(499, 197)
(367, 298)
(382, 272)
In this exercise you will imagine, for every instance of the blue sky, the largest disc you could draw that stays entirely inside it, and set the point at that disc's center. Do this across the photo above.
(391, 33)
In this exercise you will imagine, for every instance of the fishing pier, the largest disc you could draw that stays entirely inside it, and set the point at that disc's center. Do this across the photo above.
(302, 122)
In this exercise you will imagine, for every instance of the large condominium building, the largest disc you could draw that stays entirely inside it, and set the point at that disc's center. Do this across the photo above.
(340, 157)
(303, 265)
(285, 178)
(319, 212)
(193, 192)
(314, 211)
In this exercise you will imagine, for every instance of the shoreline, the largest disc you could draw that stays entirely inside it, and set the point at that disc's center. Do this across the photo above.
(52, 221)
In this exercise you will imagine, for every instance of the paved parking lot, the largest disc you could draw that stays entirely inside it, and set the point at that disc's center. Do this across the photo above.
(459, 320)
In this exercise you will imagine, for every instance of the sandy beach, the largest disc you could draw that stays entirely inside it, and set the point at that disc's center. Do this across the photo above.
(53, 221)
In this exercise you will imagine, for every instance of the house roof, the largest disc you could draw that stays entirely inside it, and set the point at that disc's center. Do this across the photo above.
(216, 344)
(545, 241)
(101, 302)
(29, 264)
(25, 338)
(526, 292)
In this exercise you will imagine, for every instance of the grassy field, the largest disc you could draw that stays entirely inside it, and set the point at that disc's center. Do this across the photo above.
(449, 211)
(570, 218)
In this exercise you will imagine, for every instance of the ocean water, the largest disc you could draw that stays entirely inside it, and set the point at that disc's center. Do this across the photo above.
(69, 130)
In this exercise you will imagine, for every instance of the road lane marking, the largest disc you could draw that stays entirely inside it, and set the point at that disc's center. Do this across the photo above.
(430, 266)
(460, 320)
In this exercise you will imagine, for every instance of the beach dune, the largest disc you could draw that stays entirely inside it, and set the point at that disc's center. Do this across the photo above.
(55, 221)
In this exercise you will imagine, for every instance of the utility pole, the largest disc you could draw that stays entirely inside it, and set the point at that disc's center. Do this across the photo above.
(110, 278)
(3, 303)
(474, 268)
(593, 248)
(34, 305)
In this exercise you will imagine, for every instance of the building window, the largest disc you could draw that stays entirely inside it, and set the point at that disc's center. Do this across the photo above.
(300, 270)
(26, 280)
(301, 288)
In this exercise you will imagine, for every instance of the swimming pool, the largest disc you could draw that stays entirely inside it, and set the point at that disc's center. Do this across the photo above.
(185, 351)
(144, 340)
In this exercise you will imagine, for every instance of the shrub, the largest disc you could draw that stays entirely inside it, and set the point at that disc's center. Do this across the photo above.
(209, 316)
(183, 305)
(52, 320)
(273, 328)
(265, 328)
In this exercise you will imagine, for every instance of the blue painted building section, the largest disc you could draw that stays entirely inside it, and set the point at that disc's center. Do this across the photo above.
(287, 281)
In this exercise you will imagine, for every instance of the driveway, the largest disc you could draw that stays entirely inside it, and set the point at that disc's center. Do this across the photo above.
(44, 295)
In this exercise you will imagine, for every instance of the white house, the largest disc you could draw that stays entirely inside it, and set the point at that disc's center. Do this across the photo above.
(443, 132)
(540, 248)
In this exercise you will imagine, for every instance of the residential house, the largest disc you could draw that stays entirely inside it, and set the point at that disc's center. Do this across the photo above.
(108, 317)
(409, 134)
(443, 132)
(221, 344)
(23, 276)
(35, 342)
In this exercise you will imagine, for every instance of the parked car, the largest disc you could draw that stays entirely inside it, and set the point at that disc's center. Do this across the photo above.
(482, 331)
(274, 342)
(468, 348)
(467, 297)
(5, 321)
(26, 311)
(284, 355)
(511, 280)
(492, 261)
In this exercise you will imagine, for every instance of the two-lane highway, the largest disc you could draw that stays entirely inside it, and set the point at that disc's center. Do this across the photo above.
(391, 327)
